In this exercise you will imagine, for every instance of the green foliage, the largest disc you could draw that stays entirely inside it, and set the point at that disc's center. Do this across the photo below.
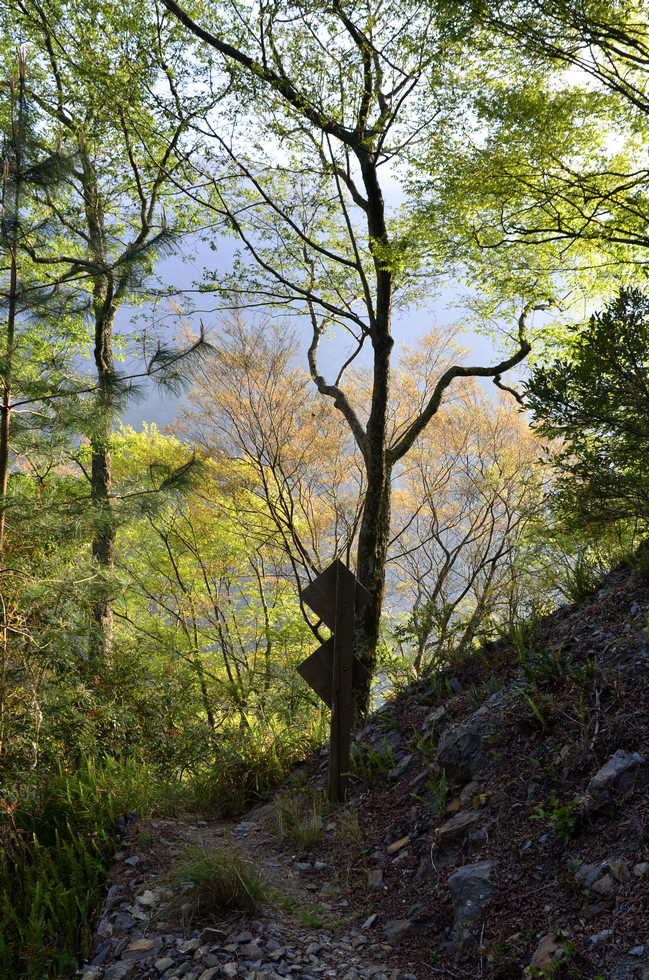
(595, 400)
(372, 765)
(56, 846)
(211, 882)
(437, 798)
(562, 817)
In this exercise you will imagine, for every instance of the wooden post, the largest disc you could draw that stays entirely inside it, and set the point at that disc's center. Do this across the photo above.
(341, 694)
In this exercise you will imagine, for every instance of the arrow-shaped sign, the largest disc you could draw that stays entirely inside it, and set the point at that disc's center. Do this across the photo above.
(333, 670)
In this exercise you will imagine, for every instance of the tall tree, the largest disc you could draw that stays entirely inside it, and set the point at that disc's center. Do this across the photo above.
(326, 99)
(594, 400)
(105, 91)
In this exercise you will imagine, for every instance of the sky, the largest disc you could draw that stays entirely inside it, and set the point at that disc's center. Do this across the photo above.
(182, 271)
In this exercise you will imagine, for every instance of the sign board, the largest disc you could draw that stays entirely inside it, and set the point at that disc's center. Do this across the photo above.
(333, 670)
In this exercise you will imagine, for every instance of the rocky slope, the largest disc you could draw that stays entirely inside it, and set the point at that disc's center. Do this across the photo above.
(498, 826)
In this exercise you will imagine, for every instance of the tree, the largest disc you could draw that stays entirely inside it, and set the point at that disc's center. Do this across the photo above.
(462, 507)
(324, 99)
(206, 601)
(254, 406)
(559, 184)
(594, 401)
(36, 362)
(97, 82)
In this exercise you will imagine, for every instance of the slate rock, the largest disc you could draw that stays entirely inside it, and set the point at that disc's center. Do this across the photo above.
(121, 971)
(123, 922)
(618, 868)
(545, 957)
(471, 888)
(589, 873)
(102, 954)
(461, 751)
(210, 974)
(250, 951)
(457, 828)
(603, 886)
(164, 964)
(403, 767)
(616, 777)
(398, 929)
(139, 949)
(211, 935)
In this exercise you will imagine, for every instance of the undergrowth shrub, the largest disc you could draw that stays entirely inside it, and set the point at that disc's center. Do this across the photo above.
(247, 766)
(56, 845)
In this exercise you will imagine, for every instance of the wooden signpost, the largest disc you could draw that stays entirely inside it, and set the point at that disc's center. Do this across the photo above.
(333, 670)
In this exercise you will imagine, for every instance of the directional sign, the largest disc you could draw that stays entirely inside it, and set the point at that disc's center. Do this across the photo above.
(317, 671)
(333, 670)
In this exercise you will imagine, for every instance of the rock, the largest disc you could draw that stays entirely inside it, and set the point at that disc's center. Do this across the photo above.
(604, 885)
(148, 898)
(91, 975)
(211, 935)
(132, 862)
(188, 945)
(641, 869)
(545, 956)
(104, 929)
(369, 922)
(164, 964)
(102, 954)
(589, 873)
(250, 951)
(403, 767)
(139, 949)
(397, 929)
(320, 866)
(210, 974)
(471, 790)
(393, 848)
(590, 912)
(618, 868)
(230, 969)
(471, 888)
(121, 971)
(461, 751)
(457, 827)
(244, 826)
(303, 866)
(375, 878)
(616, 777)
(637, 951)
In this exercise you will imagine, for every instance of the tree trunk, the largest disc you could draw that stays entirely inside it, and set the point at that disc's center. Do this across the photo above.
(101, 481)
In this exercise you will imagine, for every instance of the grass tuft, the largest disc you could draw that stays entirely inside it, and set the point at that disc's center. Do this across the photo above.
(210, 882)
(297, 816)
